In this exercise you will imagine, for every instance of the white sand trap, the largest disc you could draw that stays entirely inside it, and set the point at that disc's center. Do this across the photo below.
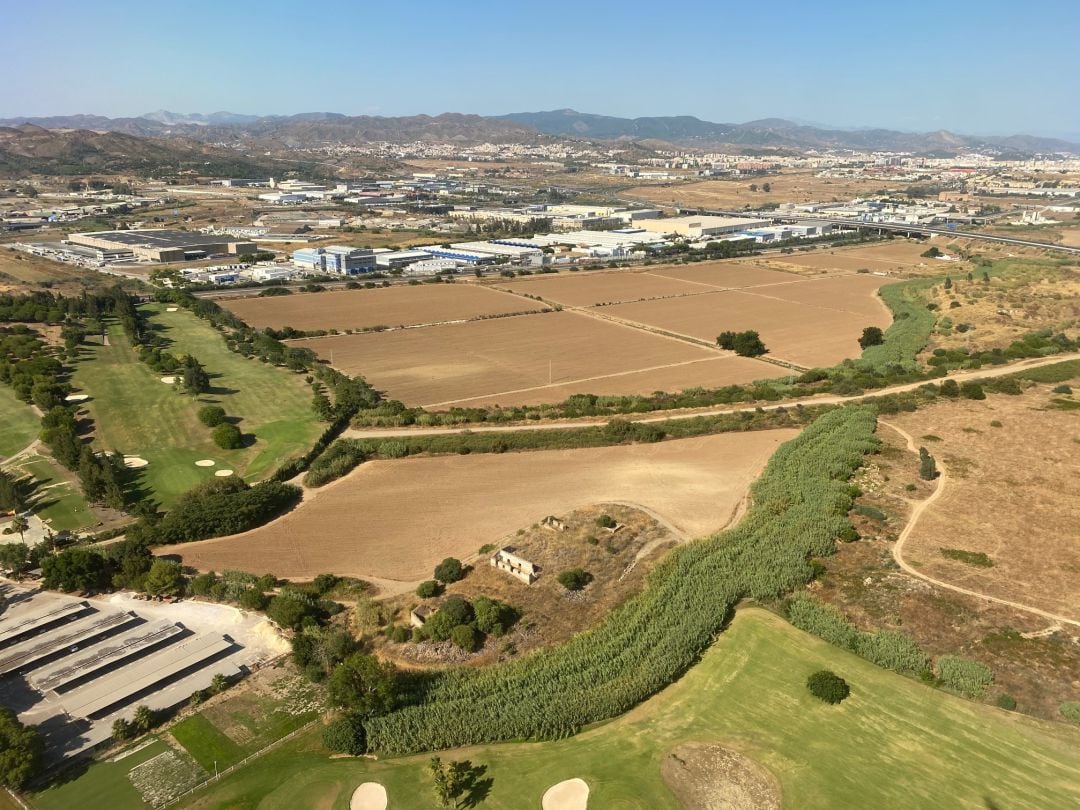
(223, 473)
(76, 398)
(205, 462)
(369, 796)
(168, 380)
(134, 462)
(573, 794)
(172, 309)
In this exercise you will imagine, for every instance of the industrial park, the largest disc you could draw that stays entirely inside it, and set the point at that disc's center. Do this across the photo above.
(505, 407)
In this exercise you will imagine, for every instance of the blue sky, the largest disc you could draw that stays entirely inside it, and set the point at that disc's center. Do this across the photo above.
(973, 66)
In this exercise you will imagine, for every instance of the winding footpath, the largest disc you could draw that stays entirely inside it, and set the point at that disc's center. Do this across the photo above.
(917, 509)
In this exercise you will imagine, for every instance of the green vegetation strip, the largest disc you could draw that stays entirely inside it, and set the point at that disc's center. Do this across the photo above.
(893, 743)
(104, 784)
(800, 507)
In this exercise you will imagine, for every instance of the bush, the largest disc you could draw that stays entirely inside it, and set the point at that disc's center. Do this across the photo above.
(212, 415)
(428, 589)
(1062, 389)
(574, 579)
(227, 436)
(893, 650)
(871, 336)
(606, 522)
(345, 735)
(969, 678)
(466, 637)
(1070, 710)
(828, 686)
(1007, 702)
(449, 570)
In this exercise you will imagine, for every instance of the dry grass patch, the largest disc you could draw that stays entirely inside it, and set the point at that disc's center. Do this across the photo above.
(398, 519)
(588, 288)
(383, 306)
(711, 777)
(793, 186)
(1012, 493)
(726, 275)
(893, 256)
(521, 357)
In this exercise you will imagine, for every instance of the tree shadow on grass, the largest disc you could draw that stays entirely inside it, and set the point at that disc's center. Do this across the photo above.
(474, 788)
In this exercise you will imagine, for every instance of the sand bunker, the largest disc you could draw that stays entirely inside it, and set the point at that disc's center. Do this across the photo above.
(134, 462)
(205, 462)
(76, 398)
(172, 309)
(224, 473)
(711, 777)
(573, 794)
(369, 796)
(168, 380)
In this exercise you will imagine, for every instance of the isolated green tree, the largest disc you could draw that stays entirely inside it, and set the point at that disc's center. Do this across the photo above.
(364, 685)
(871, 336)
(211, 415)
(165, 578)
(449, 570)
(927, 465)
(828, 686)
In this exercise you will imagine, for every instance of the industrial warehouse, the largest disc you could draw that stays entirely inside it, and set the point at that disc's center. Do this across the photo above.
(160, 245)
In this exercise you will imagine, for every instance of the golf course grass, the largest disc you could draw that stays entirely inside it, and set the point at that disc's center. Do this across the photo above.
(103, 785)
(56, 500)
(137, 414)
(19, 425)
(894, 743)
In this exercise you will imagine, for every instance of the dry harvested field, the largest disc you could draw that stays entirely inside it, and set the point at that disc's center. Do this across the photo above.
(492, 360)
(806, 334)
(727, 275)
(383, 306)
(586, 289)
(893, 256)
(398, 519)
(795, 186)
(1012, 493)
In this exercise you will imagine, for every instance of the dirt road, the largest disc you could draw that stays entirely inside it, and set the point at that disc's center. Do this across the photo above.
(965, 376)
(917, 509)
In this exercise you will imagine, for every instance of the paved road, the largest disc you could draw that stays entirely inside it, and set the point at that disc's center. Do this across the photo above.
(664, 416)
(918, 508)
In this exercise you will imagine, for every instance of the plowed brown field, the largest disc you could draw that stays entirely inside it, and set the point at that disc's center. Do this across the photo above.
(493, 359)
(791, 324)
(384, 306)
(398, 519)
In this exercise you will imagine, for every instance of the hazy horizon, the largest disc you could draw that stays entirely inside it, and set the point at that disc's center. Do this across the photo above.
(848, 64)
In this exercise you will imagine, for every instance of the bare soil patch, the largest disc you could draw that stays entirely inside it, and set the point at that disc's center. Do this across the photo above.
(584, 289)
(487, 361)
(793, 186)
(711, 777)
(398, 519)
(726, 275)
(803, 333)
(384, 306)
(893, 256)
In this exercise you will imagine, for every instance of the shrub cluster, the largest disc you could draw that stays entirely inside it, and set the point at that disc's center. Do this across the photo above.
(828, 686)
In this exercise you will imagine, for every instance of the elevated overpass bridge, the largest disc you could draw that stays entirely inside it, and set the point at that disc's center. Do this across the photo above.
(895, 227)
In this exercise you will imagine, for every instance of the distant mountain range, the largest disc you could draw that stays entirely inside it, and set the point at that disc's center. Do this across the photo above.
(686, 130)
(313, 129)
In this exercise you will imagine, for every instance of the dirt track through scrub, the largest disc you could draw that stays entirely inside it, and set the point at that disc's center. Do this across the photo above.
(398, 519)
(994, 496)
